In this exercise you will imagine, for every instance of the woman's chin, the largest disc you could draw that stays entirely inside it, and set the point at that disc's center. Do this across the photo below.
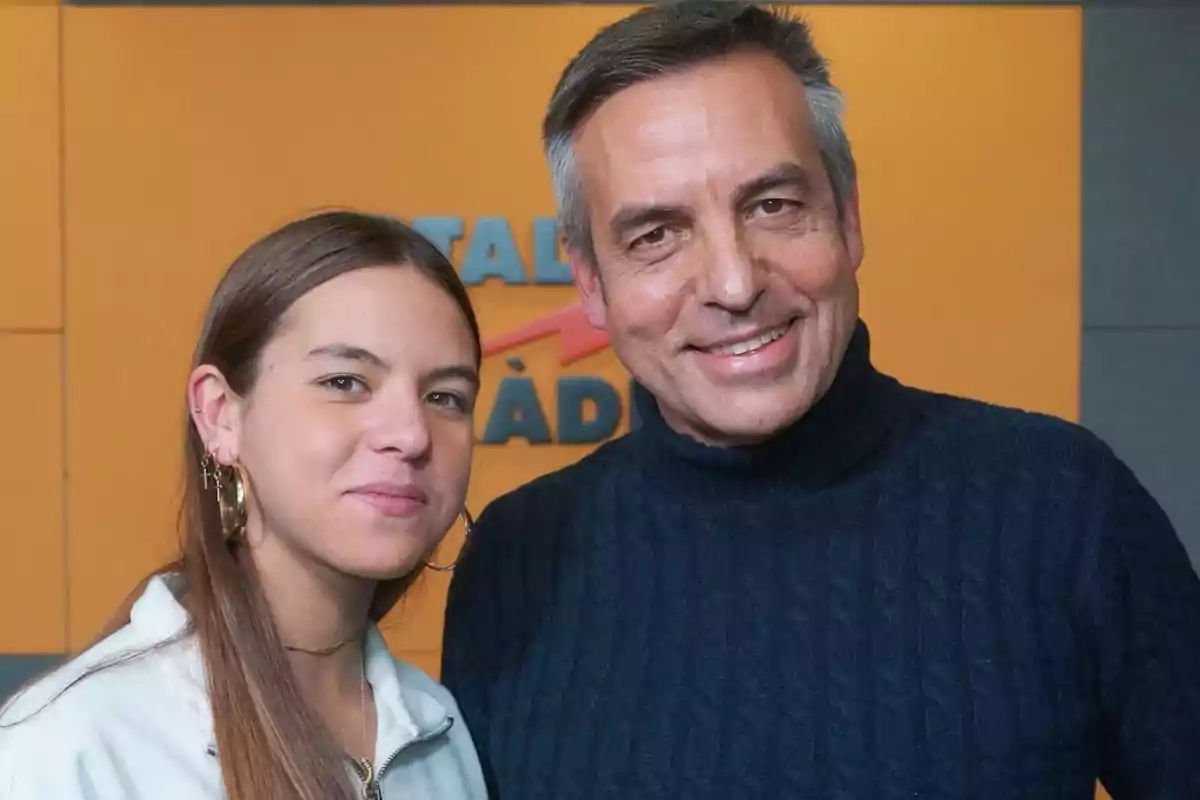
(379, 566)
(383, 571)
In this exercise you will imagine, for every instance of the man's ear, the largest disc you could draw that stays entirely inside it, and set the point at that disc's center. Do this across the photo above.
(852, 228)
(587, 280)
(216, 412)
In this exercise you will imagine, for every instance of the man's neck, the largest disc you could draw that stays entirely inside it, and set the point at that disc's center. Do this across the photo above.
(852, 416)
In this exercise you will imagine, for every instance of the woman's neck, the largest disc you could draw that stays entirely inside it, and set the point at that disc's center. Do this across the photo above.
(336, 687)
(321, 617)
(314, 606)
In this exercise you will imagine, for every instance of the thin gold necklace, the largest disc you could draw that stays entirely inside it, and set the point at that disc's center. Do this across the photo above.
(324, 651)
(370, 790)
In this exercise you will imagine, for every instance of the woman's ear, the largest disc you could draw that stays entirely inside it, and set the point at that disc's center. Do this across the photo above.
(216, 412)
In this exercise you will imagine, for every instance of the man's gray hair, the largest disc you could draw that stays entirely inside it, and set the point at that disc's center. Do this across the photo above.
(664, 39)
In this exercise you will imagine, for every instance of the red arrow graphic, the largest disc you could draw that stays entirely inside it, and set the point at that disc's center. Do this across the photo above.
(577, 336)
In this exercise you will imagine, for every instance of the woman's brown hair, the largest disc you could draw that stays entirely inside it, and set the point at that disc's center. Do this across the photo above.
(270, 742)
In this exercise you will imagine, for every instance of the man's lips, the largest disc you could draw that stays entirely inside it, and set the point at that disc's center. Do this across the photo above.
(745, 342)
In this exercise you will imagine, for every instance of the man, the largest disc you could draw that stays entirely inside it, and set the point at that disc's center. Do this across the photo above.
(798, 578)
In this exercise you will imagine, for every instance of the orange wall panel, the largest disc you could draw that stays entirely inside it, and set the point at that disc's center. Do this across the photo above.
(966, 124)
(32, 586)
(966, 121)
(192, 130)
(30, 261)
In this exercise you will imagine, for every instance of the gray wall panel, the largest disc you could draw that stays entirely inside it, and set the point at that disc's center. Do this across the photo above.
(1140, 387)
(1142, 395)
(1141, 166)
(15, 670)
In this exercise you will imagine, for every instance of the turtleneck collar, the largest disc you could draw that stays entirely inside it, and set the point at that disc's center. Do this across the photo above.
(849, 421)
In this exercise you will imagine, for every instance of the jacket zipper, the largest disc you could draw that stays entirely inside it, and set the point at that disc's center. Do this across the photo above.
(370, 777)
(366, 775)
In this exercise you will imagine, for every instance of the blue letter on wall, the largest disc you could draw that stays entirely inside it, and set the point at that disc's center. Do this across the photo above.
(574, 393)
(442, 231)
(547, 269)
(517, 412)
(493, 253)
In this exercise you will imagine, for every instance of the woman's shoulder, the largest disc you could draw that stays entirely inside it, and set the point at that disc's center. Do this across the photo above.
(124, 665)
(100, 720)
(89, 677)
(131, 693)
(115, 678)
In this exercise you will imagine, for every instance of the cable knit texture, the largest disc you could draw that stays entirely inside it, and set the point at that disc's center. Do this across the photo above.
(904, 595)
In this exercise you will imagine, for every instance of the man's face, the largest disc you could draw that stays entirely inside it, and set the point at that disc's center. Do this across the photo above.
(722, 271)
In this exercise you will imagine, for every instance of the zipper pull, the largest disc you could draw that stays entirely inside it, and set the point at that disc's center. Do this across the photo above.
(371, 790)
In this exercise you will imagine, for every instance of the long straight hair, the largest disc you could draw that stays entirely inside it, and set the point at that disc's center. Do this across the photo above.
(271, 744)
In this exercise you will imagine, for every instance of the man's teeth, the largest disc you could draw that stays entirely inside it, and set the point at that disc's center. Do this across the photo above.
(750, 345)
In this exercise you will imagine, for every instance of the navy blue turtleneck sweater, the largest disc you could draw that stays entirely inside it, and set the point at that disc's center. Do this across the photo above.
(904, 595)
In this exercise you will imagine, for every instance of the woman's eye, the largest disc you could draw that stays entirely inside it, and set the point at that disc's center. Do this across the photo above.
(451, 400)
(344, 384)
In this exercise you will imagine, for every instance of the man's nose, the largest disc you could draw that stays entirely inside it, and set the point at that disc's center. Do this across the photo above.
(730, 275)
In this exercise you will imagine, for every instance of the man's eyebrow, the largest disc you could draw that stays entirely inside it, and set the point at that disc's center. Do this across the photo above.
(629, 218)
(785, 174)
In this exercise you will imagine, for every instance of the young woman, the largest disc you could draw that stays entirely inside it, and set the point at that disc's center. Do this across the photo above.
(328, 451)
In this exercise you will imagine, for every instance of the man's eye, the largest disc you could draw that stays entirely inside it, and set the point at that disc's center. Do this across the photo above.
(651, 238)
(774, 206)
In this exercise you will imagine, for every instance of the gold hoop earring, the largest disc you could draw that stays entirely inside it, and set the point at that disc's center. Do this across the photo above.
(230, 491)
(468, 523)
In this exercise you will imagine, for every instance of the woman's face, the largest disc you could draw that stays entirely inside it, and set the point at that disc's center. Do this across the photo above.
(357, 435)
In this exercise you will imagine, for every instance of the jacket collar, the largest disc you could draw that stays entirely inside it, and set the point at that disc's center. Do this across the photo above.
(404, 713)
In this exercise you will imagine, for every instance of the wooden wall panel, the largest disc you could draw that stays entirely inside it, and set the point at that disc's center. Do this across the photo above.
(30, 262)
(966, 121)
(32, 585)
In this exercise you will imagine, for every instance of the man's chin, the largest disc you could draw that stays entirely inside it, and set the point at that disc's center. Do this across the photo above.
(740, 424)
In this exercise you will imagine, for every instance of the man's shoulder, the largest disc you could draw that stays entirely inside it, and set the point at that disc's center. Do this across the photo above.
(556, 493)
(1002, 431)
